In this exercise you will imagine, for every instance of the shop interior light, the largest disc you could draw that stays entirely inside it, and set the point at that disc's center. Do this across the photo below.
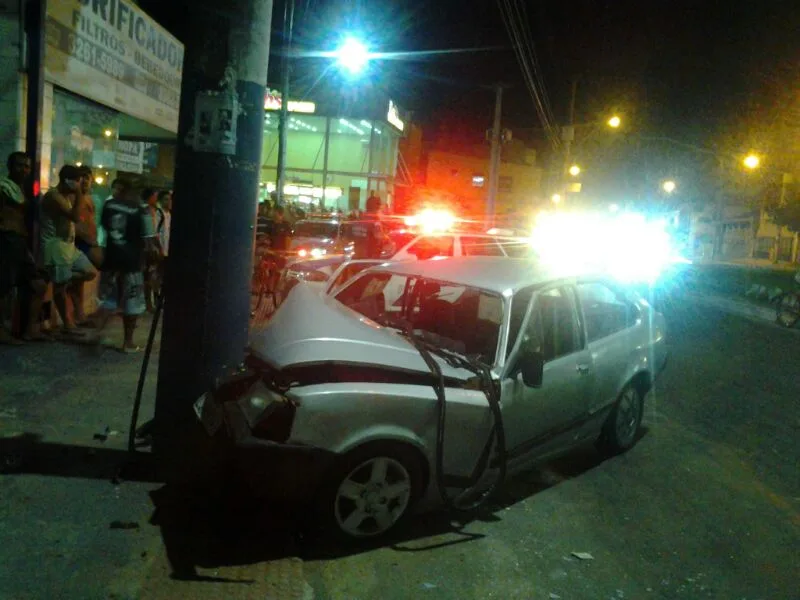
(99, 166)
(108, 133)
(79, 164)
(348, 124)
(99, 180)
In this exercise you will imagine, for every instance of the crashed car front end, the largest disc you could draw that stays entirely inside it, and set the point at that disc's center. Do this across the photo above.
(313, 389)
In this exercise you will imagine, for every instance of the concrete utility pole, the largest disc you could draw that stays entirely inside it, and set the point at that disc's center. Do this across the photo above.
(494, 161)
(286, 69)
(208, 276)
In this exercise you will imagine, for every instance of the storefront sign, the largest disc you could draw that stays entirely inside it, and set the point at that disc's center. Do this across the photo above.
(273, 101)
(393, 116)
(130, 156)
(112, 52)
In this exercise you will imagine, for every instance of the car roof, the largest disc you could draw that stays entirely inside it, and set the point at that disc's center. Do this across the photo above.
(491, 273)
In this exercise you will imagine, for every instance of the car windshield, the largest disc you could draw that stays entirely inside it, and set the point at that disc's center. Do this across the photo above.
(450, 316)
(316, 229)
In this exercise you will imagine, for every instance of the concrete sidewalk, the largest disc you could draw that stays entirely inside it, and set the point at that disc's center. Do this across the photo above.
(72, 528)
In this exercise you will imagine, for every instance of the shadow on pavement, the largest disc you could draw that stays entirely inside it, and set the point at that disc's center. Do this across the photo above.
(217, 521)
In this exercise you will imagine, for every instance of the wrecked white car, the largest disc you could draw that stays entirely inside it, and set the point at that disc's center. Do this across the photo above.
(419, 380)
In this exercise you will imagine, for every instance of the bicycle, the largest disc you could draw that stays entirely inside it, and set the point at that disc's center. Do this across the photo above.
(788, 311)
(265, 285)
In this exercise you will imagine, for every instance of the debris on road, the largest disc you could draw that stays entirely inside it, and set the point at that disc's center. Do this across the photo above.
(583, 555)
(102, 437)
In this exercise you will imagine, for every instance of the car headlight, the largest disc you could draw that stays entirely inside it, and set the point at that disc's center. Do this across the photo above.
(318, 252)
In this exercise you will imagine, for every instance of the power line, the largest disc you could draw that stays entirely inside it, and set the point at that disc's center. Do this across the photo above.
(510, 20)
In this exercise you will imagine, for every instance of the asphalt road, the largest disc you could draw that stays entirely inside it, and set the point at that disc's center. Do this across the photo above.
(707, 505)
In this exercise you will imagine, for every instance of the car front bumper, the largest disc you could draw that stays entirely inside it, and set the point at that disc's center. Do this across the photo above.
(280, 471)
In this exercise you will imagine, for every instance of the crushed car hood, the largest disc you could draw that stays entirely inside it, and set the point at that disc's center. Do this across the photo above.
(309, 329)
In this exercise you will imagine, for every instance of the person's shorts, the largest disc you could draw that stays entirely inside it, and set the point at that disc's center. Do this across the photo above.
(80, 267)
(17, 266)
(123, 292)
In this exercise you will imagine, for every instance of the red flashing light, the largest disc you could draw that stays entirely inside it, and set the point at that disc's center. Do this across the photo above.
(37, 187)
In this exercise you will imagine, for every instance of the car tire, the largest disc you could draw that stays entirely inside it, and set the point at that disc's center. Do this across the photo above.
(621, 429)
(373, 489)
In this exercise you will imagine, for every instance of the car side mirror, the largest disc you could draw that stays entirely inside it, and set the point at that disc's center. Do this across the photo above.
(531, 366)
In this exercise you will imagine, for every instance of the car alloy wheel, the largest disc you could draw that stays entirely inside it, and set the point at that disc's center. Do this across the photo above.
(372, 497)
(629, 415)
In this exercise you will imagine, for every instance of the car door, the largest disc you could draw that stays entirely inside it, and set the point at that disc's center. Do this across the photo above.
(610, 319)
(539, 418)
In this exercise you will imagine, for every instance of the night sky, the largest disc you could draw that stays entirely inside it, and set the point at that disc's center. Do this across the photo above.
(683, 68)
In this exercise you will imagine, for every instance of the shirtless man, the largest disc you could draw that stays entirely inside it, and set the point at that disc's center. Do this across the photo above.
(66, 265)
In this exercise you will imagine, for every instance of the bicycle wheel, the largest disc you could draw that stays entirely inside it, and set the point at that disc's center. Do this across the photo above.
(789, 309)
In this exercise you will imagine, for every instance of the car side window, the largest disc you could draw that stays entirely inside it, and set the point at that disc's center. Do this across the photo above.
(480, 246)
(606, 310)
(553, 326)
(431, 246)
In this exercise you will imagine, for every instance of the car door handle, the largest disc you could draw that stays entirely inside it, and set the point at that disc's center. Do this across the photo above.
(582, 369)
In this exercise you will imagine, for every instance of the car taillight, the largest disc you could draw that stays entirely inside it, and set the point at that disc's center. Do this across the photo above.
(235, 386)
(268, 413)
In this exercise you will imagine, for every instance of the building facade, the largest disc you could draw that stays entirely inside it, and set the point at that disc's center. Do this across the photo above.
(337, 153)
(111, 90)
(466, 175)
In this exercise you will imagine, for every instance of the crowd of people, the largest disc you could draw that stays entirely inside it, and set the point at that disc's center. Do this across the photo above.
(59, 242)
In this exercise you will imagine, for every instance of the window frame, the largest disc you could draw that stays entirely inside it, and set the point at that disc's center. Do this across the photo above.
(569, 286)
(620, 292)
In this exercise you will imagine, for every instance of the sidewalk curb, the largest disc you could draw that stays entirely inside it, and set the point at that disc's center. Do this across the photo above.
(734, 306)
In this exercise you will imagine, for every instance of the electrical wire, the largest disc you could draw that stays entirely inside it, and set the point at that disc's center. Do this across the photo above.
(522, 16)
(531, 72)
(497, 433)
(530, 67)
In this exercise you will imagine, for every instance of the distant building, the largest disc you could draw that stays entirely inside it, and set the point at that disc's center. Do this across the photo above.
(465, 173)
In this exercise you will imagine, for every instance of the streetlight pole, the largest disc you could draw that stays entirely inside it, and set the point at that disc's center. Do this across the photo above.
(208, 275)
(494, 160)
(286, 67)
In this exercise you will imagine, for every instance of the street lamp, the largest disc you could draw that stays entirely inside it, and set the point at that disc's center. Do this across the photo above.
(574, 170)
(668, 186)
(352, 55)
(556, 198)
(614, 122)
(751, 161)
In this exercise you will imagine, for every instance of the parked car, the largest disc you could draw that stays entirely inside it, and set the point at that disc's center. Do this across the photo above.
(352, 385)
(317, 238)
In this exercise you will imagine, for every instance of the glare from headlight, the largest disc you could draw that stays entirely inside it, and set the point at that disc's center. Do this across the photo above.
(627, 246)
(317, 252)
